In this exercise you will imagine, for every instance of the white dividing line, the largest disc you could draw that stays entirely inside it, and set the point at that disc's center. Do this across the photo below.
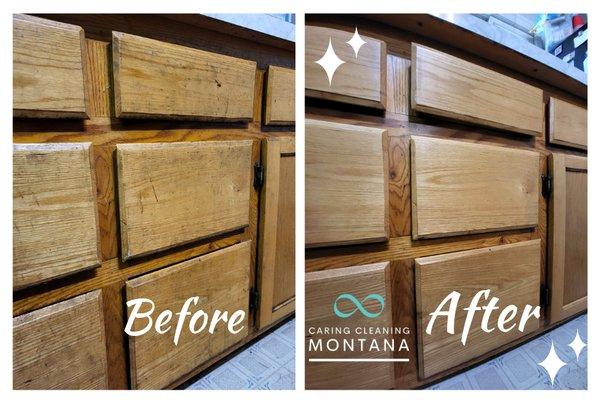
(358, 360)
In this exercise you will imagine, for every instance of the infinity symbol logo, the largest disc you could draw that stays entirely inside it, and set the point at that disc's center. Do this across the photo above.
(359, 305)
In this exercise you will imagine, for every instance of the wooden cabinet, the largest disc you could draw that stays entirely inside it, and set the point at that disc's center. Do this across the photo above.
(323, 290)
(276, 247)
(175, 193)
(61, 346)
(450, 87)
(55, 227)
(460, 187)
(512, 274)
(220, 280)
(346, 184)
(153, 79)
(360, 80)
(567, 124)
(280, 96)
(48, 69)
(567, 236)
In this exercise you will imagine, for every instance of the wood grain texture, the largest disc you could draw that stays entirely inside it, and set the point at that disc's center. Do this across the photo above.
(61, 346)
(280, 96)
(567, 124)
(221, 280)
(171, 194)
(567, 236)
(55, 227)
(460, 187)
(346, 184)
(153, 79)
(450, 87)
(48, 69)
(511, 272)
(360, 80)
(398, 86)
(322, 290)
(98, 82)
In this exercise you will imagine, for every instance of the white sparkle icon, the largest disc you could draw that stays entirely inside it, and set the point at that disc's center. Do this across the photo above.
(552, 364)
(330, 62)
(577, 344)
(356, 42)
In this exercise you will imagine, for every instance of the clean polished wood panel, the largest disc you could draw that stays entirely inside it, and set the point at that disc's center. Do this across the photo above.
(511, 272)
(61, 346)
(322, 291)
(450, 87)
(568, 236)
(48, 68)
(460, 187)
(361, 80)
(153, 79)
(280, 96)
(175, 193)
(567, 124)
(55, 227)
(346, 184)
(220, 280)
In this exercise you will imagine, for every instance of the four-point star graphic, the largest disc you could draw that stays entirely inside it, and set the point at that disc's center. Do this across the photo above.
(577, 344)
(330, 62)
(552, 364)
(356, 42)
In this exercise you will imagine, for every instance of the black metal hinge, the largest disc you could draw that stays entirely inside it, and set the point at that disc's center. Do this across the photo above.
(546, 186)
(544, 296)
(253, 299)
(259, 175)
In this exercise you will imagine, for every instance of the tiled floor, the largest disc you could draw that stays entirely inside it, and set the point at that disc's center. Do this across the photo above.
(519, 369)
(266, 364)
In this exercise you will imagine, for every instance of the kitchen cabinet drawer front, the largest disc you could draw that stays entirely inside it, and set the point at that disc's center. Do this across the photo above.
(280, 104)
(460, 187)
(322, 291)
(220, 280)
(346, 184)
(567, 124)
(154, 79)
(512, 274)
(360, 80)
(450, 87)
(61, 346)
(55, 228)
(47, 69)
(175, 193)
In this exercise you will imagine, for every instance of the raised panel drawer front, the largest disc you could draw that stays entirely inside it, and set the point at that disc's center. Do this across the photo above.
(512, 274)
(61, 346)
(450, 87)
(567, 124)
(346, 184)
(175, 193)
(154, 79)
(360, 80)
(322, 290)
(47, 69)
(55, 228)
(220, 280)
(460, 188)
(280, 102)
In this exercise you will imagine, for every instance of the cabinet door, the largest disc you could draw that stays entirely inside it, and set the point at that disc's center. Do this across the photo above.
(61, 346)
(276, 251)
(280, 96)
(174, 193)
(568, 236)
(360, 80)
(346, 184)
(220, 280)
(326, 368)
(511, 272)
(567, 124)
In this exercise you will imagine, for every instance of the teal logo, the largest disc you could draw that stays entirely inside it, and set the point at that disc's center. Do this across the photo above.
(359, 305)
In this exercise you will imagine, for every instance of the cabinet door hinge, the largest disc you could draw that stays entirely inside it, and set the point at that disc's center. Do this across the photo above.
(259, 175)
(253, 299)
(544, 296)
(546, 186)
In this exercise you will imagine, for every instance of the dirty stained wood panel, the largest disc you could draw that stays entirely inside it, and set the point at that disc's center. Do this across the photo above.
(450, 87)
(220, 280)
(459, 187)
(48, 69)
(512, 274)
(55, 222)
(175, 193)
(154, 79)
(567, 124)
(61, 346)
(280, 96)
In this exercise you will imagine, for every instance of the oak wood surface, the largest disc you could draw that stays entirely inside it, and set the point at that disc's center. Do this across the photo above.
(567, 124)
(280, 96)
(398, 86)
